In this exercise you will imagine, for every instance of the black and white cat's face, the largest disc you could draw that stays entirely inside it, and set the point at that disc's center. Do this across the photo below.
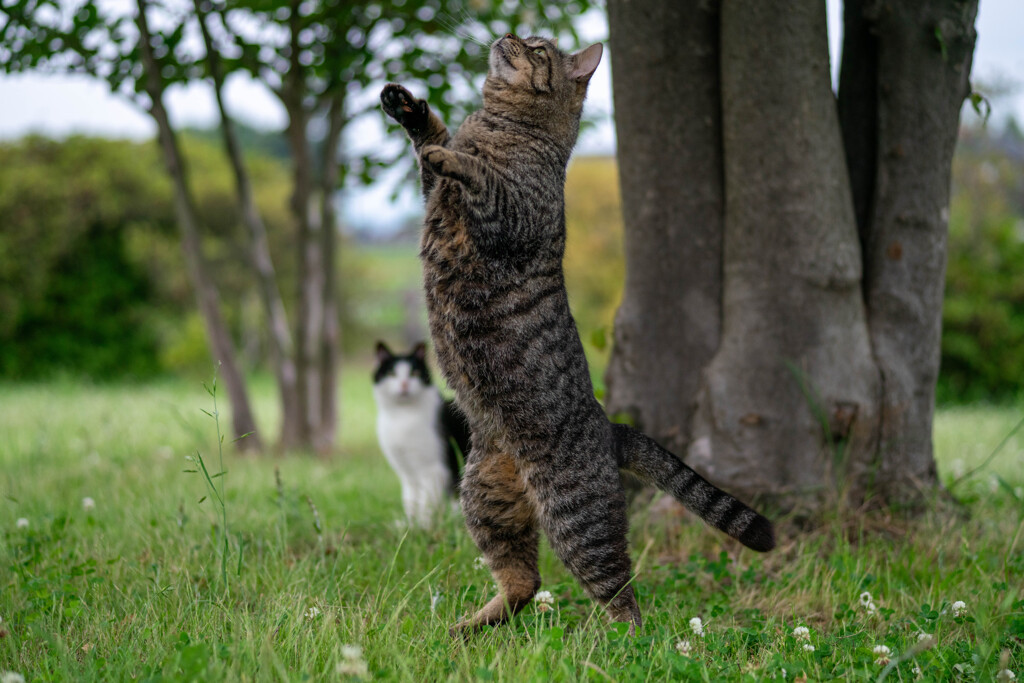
(401, 378)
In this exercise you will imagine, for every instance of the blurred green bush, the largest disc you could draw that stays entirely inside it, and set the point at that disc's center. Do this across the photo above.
(92, 282)
(983, 314)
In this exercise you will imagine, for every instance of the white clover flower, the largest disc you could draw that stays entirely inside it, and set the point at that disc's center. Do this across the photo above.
(88, 504)
(352, 662)
(865, 599)
(544, 600)
(22, 523)
(782, 674)
(921, 635)
(351, 652)
(312, 613)
(684, 648)
(11, 677)
(916, 671)
(1005, 676)
(808, 647)
(802, 633)
(882, 653)
(959, 608)
(480, 563)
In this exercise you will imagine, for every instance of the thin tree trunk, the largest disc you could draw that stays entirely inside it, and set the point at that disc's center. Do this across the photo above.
(309, 308)
(791, 395)
(207, 296)
(330, 336)
(668, 123)
(925, 49)
(280, 338)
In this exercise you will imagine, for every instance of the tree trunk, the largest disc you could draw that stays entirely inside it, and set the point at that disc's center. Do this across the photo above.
(330, 337)
(309, 308)
(207, 296)
(825, 367)
(789, 401)
(924, 53)
(668, 123)
(263, 265)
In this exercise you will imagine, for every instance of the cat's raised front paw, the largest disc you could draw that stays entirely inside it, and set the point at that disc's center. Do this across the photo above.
(438, 159)
(398, 103)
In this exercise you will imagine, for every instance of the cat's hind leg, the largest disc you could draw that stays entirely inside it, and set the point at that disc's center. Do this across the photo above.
(502, 521)
(585, 520)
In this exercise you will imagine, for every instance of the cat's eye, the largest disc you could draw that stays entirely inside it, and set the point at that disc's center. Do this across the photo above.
(539, 51)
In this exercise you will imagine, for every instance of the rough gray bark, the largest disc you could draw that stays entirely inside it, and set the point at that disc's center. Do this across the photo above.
(665, 62)
(281, 347)
(330, 334)
(207, 296)
(822, 370)
(925, 49)
(793, 383)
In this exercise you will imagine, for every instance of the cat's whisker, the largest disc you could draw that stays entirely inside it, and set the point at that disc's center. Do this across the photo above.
(461, 27)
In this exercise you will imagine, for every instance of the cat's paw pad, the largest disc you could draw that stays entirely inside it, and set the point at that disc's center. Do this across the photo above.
(398, 103)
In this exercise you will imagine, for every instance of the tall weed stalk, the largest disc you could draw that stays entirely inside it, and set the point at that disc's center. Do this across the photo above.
(218, 494)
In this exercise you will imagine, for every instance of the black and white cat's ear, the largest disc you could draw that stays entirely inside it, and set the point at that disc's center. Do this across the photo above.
(383, 352)
(584, 63)
(420, 351)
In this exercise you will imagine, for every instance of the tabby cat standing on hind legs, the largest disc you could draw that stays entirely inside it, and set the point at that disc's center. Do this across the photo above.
(544, 455)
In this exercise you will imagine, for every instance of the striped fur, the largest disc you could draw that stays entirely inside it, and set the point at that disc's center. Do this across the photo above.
(544, 456)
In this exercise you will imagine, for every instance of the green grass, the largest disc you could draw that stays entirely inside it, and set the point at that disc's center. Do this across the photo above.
(135, 588)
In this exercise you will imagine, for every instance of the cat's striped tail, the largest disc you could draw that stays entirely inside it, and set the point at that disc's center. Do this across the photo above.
(643, 457)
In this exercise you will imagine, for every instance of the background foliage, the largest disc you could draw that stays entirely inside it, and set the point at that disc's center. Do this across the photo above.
(983, 315)
(92, 283)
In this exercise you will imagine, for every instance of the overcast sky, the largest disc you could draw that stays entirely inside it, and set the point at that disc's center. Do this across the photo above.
(59, 105)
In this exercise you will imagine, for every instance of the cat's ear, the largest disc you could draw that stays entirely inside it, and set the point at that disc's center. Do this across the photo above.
(383, 352)
(420, 351)
(584, 63)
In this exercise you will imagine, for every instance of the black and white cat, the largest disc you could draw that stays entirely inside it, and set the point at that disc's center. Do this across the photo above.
(415, 428)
